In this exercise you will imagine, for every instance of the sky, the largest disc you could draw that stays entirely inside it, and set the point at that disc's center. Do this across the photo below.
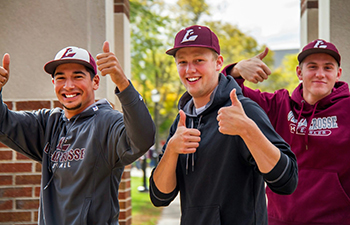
(275, 23)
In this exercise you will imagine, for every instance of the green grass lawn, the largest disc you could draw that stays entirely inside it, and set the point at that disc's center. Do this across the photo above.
(143, 212)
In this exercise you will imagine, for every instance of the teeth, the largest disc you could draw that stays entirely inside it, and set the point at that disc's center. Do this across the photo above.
(71, 96)
(193, 79)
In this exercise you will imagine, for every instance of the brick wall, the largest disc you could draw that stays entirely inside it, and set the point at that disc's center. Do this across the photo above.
(20, 181)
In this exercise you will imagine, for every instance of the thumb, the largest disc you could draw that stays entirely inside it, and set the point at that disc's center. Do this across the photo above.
(262, 55)
(182, 120)
(105, 47)
(6, 62)
(233, 97)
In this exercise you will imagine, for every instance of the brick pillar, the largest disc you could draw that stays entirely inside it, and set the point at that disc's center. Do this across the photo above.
(19, 178)
(122, 50)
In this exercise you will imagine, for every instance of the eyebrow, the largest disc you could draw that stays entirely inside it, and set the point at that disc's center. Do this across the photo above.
(74, 72)
(327, 63)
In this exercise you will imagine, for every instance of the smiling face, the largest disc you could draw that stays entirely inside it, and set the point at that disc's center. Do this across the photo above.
(74, 87)
(318, 72)
(198, 69)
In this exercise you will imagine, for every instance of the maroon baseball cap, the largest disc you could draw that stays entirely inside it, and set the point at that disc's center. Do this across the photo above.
(195, 36)
(319, 46)
(71, 54)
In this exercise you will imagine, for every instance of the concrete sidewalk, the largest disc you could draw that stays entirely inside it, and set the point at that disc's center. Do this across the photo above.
(171, 214)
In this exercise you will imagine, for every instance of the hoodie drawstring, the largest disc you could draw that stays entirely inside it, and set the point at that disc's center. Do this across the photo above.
(308, 126)
(192, 154)
(299, 116)
(306, 138)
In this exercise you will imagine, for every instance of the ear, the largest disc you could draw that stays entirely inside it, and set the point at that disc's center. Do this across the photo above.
(299, 74)
(96, 82)
(53, 81)
(339, 73)
(219, 62)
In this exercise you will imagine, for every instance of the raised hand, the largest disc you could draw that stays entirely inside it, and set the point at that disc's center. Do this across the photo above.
(185, 140)
(4, 70)
(253, 69)
(107, 63)
(232, 119)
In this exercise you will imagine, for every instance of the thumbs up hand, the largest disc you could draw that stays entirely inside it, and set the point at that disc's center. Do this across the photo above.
(107, 63)
(232, 119)
(4, 70)
(253, 69)
(185, 140)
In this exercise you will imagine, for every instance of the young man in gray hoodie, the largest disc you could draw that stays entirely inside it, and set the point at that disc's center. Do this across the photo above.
(83, 147)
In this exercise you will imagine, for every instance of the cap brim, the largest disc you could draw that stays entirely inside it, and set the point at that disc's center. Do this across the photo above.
(172, 51)
(308, 52)
(51, 66)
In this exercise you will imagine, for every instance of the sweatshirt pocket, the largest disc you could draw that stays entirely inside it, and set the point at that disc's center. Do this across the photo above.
(85, 211)
(201, 215)
(319, 198)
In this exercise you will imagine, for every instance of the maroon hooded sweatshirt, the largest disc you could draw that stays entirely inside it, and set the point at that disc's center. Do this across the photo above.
(319, 136)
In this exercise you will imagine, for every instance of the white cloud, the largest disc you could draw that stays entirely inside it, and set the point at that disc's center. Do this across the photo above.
(275, 23)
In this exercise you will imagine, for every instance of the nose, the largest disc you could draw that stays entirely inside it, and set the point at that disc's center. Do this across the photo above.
(69, 84)
(320, 73)
(190, 68)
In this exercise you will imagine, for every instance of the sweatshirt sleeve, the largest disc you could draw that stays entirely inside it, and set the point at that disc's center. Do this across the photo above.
(159, 198)
(139, 126)
(283, 178)
(23, 131)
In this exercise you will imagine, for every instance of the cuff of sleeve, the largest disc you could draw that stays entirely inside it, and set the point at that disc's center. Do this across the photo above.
(129, 95)
(226, 71)
(278, 172)
(160, 195)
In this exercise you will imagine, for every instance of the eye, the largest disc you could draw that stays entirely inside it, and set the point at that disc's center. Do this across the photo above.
(328, 67)
(59, 78)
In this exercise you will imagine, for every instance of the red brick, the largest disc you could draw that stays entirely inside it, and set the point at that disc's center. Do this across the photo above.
(27, 204)
(28, 179)
(123, 215)
(6, 155)
(15, 216)
(36, 216)
(57, 104)
(37, 167)
(15, 167)
(9, 104)
(124, 184)
(37, 192)
(124, 194)
(6, 205)
(32, 105)
(3, 146)
(5, 180)
(15, 192)
(20, 156)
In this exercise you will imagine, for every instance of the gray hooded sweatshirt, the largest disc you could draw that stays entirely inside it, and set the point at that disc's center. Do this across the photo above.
(82, 158)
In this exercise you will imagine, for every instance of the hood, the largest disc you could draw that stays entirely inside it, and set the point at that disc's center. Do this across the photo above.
(90, 110)
(340, 91)
(218, 98)
(301, 108)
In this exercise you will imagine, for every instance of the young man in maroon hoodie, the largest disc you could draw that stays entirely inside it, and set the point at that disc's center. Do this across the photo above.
(315, 121)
